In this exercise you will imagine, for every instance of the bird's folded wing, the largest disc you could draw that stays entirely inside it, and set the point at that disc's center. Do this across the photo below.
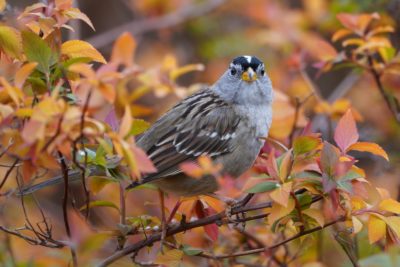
(200, 125)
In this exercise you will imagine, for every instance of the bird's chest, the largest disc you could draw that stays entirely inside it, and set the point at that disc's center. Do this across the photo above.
(249, 143)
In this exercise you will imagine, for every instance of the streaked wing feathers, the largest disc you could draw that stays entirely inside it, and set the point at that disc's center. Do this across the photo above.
(204, 125)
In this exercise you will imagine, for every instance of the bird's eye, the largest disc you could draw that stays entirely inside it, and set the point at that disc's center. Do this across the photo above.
(262, 72)
(233, 71)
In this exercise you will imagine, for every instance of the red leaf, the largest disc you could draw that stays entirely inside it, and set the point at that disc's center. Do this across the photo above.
(201, 212)
(144, 163)
(346, 132)
(211, 229)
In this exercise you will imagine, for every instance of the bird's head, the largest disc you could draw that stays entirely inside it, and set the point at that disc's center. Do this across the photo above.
(245, 81)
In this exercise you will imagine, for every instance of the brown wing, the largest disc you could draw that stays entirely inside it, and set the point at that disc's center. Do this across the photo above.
(202, 124)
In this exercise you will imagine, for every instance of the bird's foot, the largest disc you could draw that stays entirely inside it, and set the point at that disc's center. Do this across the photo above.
(232, 205)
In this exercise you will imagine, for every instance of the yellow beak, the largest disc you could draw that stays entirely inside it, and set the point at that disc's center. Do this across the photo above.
(249, 75)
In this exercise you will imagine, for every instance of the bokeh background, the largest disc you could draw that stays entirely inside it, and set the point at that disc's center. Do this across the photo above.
(290, 36)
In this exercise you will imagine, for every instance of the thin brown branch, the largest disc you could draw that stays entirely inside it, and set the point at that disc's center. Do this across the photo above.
(391, 102)
(219, 219)
(151, 24)
(8, 172)
(260, 250)
(84, 167)
(64, 169)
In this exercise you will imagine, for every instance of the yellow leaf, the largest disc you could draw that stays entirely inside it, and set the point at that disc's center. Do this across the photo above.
(357, 224)
(10, 41)
(78, 48)
(23, 73)
(123, 50)
(281, 194)
(394, 223)
(171, 258)
(353, 41)
(278, 211)
(316, 215)
(376, 229)
(357, 203)
(84, 70)
(176, 73)
(15, 93)
(24, 112)
(369, 147)
(390, 205)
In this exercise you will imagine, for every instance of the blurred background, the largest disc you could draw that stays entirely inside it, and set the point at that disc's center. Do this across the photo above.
(290, 36)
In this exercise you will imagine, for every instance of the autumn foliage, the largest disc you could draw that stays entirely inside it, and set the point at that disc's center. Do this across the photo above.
(67, 111)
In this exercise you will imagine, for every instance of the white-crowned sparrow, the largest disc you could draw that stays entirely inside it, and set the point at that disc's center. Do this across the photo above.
(224, 122)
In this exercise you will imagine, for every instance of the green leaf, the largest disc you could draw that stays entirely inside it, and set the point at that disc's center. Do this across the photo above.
(37, 50)
(350, 175)
(100, 158)
(307, 175)
(10, 41)
(101, 203)
(263, 187)
(305, 144)
(138, 126)
(190, 251)
(304, 201)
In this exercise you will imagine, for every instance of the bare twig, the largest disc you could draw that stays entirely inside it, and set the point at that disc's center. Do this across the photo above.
(9, 171)
(80, 139)
(50, 243)
(151, 24)
(64, 169)
(391, 102)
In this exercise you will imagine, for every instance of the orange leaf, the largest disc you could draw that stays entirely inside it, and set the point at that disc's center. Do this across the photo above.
(24, 73)
(285, 166)
(281, 194)
(390, 205)
(278, 211)
(126, 123)
(369, 147)
(376, 229)
(75, 13)
(78, 48)
(317, 215)
(108, 92)
(340, 34)
(123, 50)
(346, 132)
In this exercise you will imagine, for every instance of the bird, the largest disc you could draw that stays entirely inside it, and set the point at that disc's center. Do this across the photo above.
(227, 121)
